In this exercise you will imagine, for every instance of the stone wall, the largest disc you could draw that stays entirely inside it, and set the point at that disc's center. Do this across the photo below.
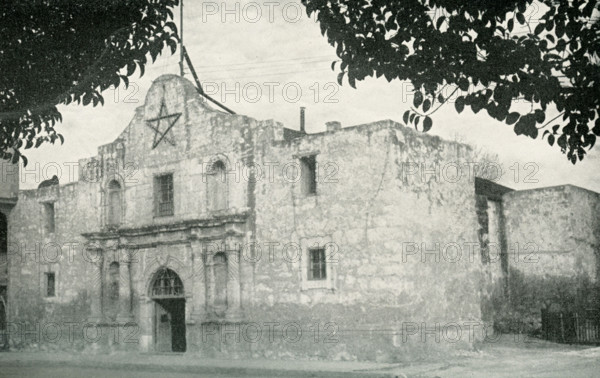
(378, 216)
(394, 209)
(9, 190)
(35, 250)
(83, 244)
(553, 237)
(9, 180)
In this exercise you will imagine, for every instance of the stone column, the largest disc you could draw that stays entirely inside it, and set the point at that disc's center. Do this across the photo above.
(234, 305)
(146, 324)
(125, 314)
(198, 279)
(97, 283)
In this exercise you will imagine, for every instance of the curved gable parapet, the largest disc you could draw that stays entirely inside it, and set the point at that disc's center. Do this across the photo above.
(180, 91)
(173, 120)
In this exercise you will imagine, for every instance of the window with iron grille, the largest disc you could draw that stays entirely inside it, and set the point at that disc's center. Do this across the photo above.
(164, 195)
(317, 269)
(167, 284)
(50, 284)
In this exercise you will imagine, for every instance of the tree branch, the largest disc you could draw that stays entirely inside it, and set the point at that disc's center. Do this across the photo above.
(552, 120)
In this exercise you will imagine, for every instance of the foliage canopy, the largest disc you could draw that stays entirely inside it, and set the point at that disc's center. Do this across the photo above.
(59, 52)
(486, 55)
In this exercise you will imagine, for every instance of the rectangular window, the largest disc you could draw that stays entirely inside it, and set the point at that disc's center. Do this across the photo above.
(50, 284)
(164, 195)
(316, 264)
(308, 172)
(49, 216)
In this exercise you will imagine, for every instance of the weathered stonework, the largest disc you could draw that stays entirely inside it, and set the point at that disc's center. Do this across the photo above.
(403, 272)
(553, 237)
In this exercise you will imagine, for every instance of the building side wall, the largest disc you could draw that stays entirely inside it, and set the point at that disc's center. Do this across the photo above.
(34, 252)
(9, 181)
(552, 236)
(400, 242)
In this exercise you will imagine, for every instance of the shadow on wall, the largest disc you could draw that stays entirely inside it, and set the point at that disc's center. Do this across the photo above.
(528, 295)
(48, 324)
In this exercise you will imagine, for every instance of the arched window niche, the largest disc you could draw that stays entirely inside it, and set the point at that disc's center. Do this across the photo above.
(220, 274)
(217, 186)
(115, 204)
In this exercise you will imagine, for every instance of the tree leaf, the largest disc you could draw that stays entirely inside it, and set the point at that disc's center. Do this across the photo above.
(351, 80)
(590, 140)
(560, 29)
(540, 116)
(539, 28)
(460, 104)
(512, 118)
(596, 129)
(427, 123)
(554, 128)
(418, 99)
(439, 22)
(130, 68)
(426, 105)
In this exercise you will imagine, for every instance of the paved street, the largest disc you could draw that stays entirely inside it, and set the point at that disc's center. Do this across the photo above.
(511, 356)
(64, 372)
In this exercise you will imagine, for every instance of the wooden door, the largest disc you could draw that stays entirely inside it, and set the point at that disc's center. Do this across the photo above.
(163, 328)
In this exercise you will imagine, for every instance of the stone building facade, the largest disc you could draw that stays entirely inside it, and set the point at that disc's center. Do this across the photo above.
(216, 234)
(553, 236)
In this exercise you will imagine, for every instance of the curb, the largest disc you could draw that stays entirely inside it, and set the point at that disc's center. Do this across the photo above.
(198, 369)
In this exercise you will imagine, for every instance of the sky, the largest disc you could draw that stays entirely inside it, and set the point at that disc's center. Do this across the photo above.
(266, 59)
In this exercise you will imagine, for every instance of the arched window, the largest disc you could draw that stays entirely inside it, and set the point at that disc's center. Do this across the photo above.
(114, 203)
(167, 284)
(217, 187)
(220, 276)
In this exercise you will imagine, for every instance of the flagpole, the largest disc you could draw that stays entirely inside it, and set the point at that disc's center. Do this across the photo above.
(181, 57)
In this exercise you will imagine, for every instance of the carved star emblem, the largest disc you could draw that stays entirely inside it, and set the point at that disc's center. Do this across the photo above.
(162, 125)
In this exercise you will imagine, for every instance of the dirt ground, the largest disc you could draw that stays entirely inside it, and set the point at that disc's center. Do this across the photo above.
(515, 356)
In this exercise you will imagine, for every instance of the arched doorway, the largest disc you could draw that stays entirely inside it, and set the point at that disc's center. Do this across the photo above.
(169, 311)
